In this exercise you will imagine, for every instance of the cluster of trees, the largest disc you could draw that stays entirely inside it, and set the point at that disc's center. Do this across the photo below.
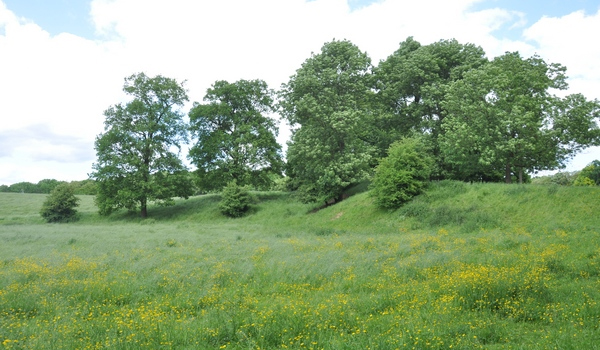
(474, 119)
(588, 176)
(85, 187)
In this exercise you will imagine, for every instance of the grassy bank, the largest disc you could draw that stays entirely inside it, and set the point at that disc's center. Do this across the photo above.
(463, 266)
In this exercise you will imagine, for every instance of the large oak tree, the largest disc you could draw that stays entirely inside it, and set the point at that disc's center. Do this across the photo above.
(236, 137)
(138, 153)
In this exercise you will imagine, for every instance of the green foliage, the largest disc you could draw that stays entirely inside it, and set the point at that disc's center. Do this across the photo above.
(411, 85)
(136, 162)
(327, 104)
(583, 181)
(590, 175)
(236, 139)
(560, 178)
(43, 186)
(503, 118)
(85, 187)
(60, 204)
(402, 175)
(47, 185)
(236, 200)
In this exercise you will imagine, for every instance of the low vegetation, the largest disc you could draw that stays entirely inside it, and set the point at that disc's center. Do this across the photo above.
(60, 205)
(403, 174)
(482, 266)
(235, 200)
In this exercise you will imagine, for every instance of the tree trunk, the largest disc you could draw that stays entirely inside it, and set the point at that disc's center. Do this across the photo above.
(507, 173)
(144, 208)
(520, 175)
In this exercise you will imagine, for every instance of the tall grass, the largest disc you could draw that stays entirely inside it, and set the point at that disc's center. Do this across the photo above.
(462, 266)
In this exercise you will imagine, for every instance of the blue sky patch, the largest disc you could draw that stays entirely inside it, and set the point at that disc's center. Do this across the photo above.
(56, 16)
(533, 11)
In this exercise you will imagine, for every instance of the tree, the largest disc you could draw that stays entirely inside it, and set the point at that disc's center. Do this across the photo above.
(86, 187)
(236, 139)
(402, 175)
(326, 102)
(23, 187)
(137, 162)
(590, 175)
(47, 185)
(411, 85)
(60, 204)
(503, 118)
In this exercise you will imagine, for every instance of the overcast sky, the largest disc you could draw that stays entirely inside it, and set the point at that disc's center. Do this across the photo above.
(62, 62)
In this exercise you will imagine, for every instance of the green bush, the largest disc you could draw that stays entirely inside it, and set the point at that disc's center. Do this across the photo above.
(590, 175)
(402, 175)
(60, 204)
(583, 181)
(235, 200)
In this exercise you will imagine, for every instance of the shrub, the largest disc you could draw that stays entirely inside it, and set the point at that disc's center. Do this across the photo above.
(590, 175)
(583, 181)
(60, 204)
(235, 200)
(402, 175)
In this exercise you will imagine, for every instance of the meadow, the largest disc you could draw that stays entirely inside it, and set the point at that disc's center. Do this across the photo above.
(463, 266)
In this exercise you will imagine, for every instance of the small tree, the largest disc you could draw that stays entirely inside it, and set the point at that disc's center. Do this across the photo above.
(590, 175)
(402, 175)
(60, 204)
(236, 200)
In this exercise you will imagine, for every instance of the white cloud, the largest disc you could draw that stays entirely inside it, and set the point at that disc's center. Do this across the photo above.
(65, 82)
(570, 40)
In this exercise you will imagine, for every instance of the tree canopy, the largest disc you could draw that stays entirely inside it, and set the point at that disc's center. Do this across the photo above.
(411, 89)
(502, 118)
(590, 174)
(235, 136)
(327, 104)
(477, 119)
(137, 159)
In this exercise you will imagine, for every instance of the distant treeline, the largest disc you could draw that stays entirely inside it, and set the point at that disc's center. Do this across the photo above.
(85, 187)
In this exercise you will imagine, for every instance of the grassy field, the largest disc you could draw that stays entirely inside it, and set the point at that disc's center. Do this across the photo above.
(483, 266)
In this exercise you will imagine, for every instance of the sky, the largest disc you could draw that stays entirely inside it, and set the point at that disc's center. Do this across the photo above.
(63, 62)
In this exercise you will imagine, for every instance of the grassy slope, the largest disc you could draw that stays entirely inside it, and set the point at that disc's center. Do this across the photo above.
(472, 266)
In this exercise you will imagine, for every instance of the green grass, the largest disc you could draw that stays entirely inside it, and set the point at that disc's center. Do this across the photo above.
(483, 266)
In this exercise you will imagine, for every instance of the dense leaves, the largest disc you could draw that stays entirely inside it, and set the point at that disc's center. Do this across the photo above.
(479, 120)
(137, 162)
(502, 118)
(402, 175)
(60, 204)
(235, 136)
(327, 104)
(235, 200)
(590, 175)
(412, 85)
